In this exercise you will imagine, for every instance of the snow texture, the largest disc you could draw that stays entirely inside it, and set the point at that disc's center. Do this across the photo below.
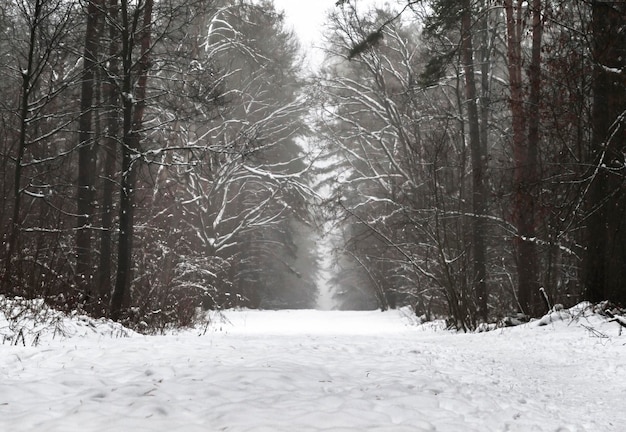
(320, 371)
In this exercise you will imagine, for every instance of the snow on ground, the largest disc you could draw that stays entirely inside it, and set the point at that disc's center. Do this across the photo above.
(321, 371)
(33, 322)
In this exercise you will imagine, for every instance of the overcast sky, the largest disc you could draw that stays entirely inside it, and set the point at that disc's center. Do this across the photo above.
(307, 18)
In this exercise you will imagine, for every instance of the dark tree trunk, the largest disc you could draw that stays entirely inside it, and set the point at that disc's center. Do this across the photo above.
(525, 143)
(604, 266)
(111, 102)
(478, 165)
(86, 190)
(535, 303)
(133, 121)
(27, 87)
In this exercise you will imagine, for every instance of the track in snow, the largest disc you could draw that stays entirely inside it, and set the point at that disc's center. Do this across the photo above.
(319, 371)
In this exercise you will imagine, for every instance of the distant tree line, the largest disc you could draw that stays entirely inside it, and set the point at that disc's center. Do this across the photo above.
(149, 157)
(476, 154)
(157, 157)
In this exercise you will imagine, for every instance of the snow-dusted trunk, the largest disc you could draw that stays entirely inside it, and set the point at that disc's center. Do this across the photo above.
(134, 107)
(111, 102)
(28, 82)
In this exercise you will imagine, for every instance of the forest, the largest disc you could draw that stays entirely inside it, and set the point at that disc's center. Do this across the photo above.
(465, 158)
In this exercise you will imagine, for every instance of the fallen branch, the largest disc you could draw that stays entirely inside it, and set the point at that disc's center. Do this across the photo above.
(595, 332)
(616, 318)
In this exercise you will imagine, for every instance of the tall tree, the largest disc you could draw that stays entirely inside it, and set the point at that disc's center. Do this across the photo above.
(404, 177)
(134, 22)
(39, 34)
(110, 146)
(479, 161)
(86, 188)
(241, 200)
(222, 172)
(605, 258)
(525, 122)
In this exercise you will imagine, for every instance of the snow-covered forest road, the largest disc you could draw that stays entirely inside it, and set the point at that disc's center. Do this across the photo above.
(321, 371)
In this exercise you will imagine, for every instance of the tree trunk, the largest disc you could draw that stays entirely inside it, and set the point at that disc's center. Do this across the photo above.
(478, 159)
(111, 101)
(27, 87)
(604, 267)
(525, 143)
(85, 196)
(133, 121)
(531, 175)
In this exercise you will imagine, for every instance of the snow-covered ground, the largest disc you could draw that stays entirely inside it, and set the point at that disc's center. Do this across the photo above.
(320, 371)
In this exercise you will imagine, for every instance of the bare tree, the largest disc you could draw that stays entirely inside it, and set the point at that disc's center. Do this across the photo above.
(110, 148)
(40, 30)
(525, 121)
(403, 116)
(86, 188)
(218, 162)
(133, 22)
(251, 182)
(479, 162)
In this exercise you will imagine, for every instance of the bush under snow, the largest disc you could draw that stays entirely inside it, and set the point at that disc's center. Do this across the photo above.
(30, 322)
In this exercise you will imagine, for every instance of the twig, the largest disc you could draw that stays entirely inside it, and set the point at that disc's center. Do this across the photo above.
(595, 332)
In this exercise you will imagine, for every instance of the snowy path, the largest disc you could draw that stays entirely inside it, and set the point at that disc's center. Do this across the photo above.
(320, 371)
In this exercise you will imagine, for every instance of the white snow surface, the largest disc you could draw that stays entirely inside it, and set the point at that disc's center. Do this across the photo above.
(321, 371)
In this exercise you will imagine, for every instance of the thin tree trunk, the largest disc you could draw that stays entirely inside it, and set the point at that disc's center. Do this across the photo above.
(27, 86)
(534, 139)
(86, 195)
(478, 159)
(133, 121)
(524, 158)
(111, 101)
